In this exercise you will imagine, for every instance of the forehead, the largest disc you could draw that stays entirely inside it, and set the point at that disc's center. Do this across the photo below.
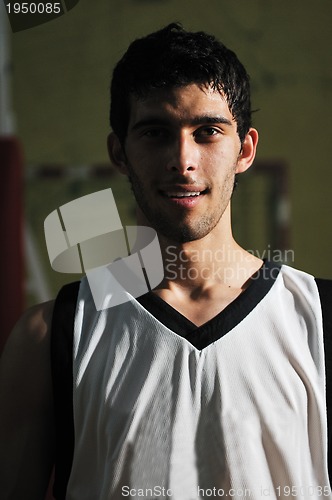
(180, 104)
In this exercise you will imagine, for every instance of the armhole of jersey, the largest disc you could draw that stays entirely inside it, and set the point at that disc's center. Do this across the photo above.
(325, 292)
(62, 378)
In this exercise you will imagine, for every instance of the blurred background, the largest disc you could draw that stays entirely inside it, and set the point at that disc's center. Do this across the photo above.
(54, 123)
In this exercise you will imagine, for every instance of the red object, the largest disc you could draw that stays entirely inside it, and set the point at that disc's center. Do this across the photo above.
(11, 236)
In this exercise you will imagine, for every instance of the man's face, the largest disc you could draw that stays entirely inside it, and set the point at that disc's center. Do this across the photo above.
(181, 154)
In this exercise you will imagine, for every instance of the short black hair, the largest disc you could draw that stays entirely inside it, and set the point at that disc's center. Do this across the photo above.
(173, 57)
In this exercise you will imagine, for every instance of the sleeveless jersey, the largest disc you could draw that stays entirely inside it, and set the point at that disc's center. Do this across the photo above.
(155, 416)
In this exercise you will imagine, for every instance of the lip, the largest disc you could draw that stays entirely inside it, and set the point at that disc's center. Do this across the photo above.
(183, 195)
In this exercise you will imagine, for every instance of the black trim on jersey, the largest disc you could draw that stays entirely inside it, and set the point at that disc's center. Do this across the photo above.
(202, 336)
(62, 376)
(325, 292)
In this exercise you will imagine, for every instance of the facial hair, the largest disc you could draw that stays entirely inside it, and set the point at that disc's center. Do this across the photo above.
(177, 229)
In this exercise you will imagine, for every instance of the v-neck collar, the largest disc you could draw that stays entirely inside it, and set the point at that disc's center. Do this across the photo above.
(202, 336)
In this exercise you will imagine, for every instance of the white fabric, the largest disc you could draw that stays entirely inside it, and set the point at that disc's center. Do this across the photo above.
(243, 418)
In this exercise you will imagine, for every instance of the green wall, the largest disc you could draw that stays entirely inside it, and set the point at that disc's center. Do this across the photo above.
(61, 73)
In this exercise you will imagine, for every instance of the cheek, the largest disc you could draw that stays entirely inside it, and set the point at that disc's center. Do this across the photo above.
(140, 171)
(138, 158)
(220, 164)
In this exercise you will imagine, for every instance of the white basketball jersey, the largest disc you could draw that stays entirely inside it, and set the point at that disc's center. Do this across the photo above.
(244, 417)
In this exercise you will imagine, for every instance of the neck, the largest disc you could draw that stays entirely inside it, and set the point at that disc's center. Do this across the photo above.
(202, 265)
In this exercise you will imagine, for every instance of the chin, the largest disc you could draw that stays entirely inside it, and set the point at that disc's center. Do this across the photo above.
(177, 230)
(182, 234)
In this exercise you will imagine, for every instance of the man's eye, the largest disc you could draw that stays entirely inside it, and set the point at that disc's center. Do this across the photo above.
(155, 133)
(207, 132)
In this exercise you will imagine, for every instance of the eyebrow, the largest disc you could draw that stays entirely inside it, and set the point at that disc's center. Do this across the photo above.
(198, 120)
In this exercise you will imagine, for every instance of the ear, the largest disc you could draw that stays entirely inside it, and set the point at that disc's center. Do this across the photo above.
(116, 153)
(248, 151)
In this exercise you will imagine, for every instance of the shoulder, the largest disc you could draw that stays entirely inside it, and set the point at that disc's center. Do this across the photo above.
(31, 331)
(25, 361)
(311, 288)
(298, 280)
(26, 354)
(26, 401)
(35, 323)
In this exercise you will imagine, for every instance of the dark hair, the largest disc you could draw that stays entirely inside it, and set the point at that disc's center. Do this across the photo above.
(173, 57)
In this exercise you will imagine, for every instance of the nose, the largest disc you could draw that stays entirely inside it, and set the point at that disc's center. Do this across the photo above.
(184, 154)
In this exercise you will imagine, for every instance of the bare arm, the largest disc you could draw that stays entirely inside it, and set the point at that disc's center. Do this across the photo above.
(26, 408)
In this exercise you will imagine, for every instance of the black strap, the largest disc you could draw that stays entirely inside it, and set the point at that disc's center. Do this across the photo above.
(62, 374)
(325, 292)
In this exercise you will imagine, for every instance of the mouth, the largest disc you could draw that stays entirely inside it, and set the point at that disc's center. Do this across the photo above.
(184, 196)
(180, 194)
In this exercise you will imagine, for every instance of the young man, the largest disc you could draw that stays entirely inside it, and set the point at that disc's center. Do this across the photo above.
(212, 384)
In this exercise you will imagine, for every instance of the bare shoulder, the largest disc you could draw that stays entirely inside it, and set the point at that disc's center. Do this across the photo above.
(28, 343)
(25, 366)
(26, 399)
(34, 326)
